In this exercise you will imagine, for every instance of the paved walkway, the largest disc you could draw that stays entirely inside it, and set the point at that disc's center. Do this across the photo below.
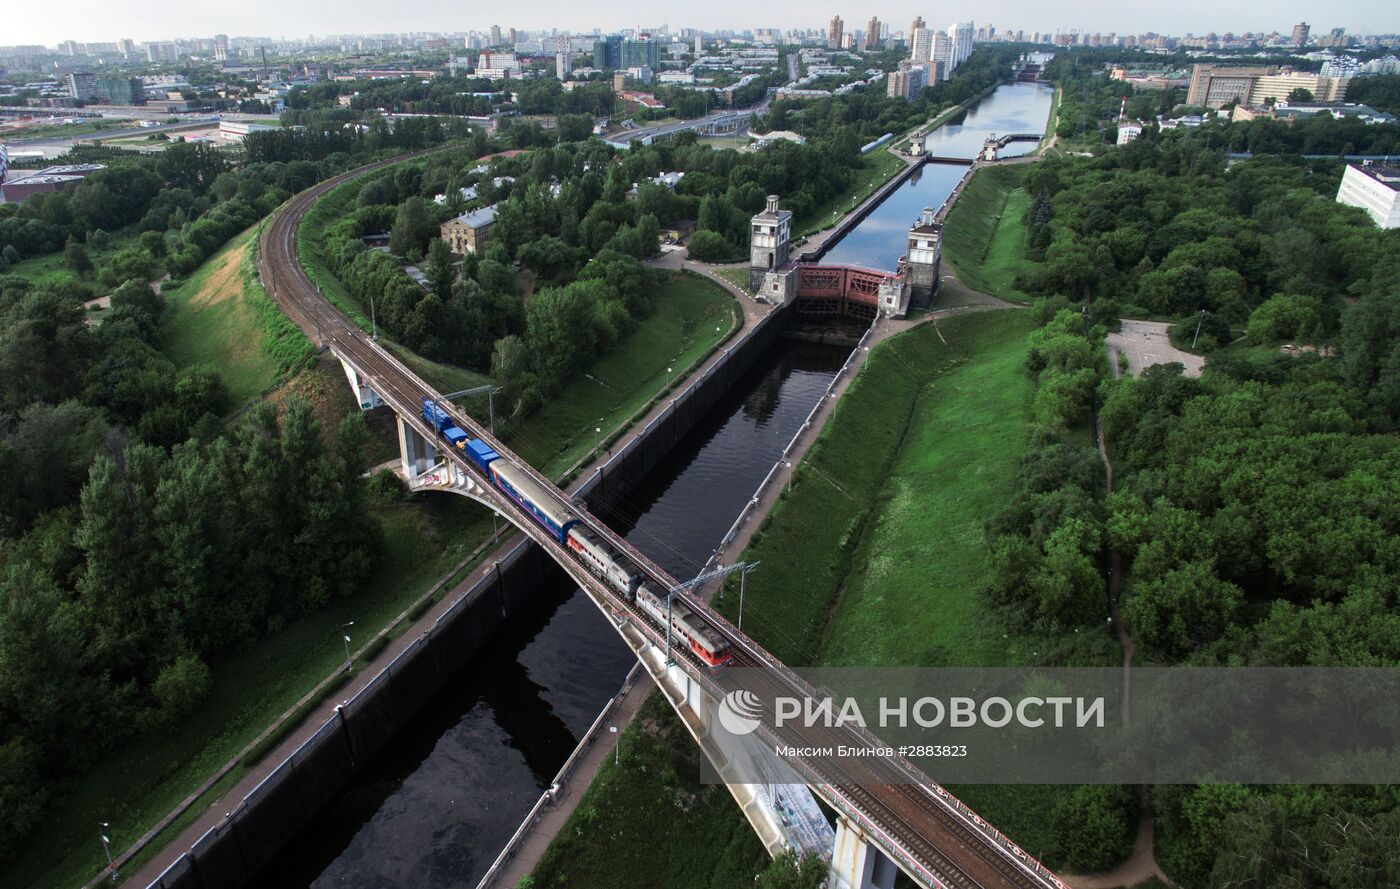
(555, 814)
(216, 811)
(1140, 866)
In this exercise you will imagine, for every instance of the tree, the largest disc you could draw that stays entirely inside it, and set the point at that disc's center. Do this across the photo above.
(77, 257)
(1285, 316)
(708, 246)
(1299, 95)
(440, 271)
(412, 228)
(1095, 825)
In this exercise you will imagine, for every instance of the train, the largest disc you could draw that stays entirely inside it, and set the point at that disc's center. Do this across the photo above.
(587, 548)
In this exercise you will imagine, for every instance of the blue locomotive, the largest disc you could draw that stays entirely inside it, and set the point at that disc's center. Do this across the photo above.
(587, 548)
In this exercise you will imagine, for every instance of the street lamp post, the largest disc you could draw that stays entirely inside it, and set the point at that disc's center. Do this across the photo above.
(344, 627)
(668, 377)
(788, 465)
(617, 751)
(107, 847)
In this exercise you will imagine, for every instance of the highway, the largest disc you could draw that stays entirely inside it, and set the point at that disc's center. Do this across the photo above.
(925, 829)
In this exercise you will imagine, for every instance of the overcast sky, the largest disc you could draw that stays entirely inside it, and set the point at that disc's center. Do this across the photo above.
(105, 20)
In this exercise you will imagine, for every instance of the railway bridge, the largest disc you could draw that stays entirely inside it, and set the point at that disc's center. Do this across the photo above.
(904, 823)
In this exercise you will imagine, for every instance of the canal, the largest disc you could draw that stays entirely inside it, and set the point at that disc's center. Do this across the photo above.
(879, 241)
(441, 800)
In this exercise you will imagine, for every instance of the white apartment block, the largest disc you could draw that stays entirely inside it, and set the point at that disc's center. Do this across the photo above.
(1375, 189)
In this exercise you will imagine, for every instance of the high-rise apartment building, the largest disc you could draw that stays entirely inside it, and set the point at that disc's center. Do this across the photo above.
(82, 85)
(699, 44)
(917, 25)
(905, 81)
(495, 35)
(835, 32)
(921, 45)
(941, 53)
(872, 34)
(1300, 34)
(962, 42)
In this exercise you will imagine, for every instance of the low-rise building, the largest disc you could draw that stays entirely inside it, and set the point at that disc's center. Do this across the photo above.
(1374, 188)
(469, 232)
(1128, 131)
(767, 139)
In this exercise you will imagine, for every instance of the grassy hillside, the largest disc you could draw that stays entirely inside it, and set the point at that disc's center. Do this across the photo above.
(984, 236)
(222, 316)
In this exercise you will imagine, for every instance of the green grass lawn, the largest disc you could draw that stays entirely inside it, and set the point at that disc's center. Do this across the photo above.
(984, 236)
(86, 127)
(138, 785)
(222, 317)
(694, 836)
(876, 169)
(738, 277)
(52, 268)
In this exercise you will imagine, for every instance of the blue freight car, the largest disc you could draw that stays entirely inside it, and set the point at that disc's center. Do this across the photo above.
(480, 452)
(437, 418)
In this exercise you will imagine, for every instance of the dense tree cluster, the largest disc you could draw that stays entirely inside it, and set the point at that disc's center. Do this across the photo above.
(1164, 227)
(335, 134)
(185, 202)
(139, 542)
(554, 208)
(1381, 92)
(111, 607)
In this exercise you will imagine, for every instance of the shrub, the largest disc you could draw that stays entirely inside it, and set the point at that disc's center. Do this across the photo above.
(181, 686)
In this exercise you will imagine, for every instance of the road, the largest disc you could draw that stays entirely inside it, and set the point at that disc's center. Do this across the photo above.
(57, 146)
(941, 842)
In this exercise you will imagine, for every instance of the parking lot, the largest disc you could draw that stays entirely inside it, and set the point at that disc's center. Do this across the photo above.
(1146, 343)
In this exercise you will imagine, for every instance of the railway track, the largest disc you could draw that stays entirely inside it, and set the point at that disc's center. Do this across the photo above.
(926, 830)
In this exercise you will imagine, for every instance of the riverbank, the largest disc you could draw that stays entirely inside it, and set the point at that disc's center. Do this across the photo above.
(984, 235)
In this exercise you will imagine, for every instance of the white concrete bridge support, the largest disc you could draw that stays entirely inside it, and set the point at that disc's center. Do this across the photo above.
(418, 454)
(856, 863)
(368, 398)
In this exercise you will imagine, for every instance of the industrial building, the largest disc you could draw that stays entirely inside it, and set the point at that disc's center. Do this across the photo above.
(22, 185)
(1214, 86)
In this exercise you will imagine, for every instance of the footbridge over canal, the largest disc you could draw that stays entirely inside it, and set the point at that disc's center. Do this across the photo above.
(905, 822)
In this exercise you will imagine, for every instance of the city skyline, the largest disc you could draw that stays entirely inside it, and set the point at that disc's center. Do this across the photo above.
(90, 21)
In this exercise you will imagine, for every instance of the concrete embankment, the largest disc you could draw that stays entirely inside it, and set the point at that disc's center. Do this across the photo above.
(233, 852)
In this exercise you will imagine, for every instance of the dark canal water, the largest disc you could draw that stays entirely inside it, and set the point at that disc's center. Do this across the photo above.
(443, 798)
(879, 240)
